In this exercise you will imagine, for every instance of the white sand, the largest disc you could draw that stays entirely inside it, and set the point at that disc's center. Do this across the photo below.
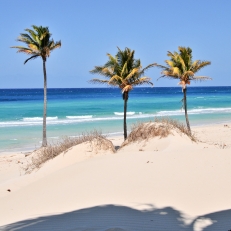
(163, 184)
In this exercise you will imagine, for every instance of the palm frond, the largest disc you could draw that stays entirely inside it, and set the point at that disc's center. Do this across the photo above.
(136, 63)
(195, 63)
(181, 66)
(26, 39)
(123, 70)
(188, 73)
(55, 45)
(23, 50)
(134, 72)
(101, 70)
(38, 42)
(98, 81)
(160, 66)
(33, 47)
(32, 57)
(107, 71)
(175, 71)
(170, 63)
(200, 78)
(168, 75)
(115, 79)
(142, 81)
(112, 59)
(200, 65)
(20, 47)
(142, 72)
(34, 36)
(43, 35)
(170, 54)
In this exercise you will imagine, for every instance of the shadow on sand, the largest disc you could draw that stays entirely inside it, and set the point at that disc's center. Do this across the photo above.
(121, 218)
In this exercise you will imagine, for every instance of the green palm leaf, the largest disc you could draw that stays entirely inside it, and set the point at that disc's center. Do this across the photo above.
(200, 78)
(122, 68)
(99, 81)
(116, 79)
(38, 42)
(180, 66)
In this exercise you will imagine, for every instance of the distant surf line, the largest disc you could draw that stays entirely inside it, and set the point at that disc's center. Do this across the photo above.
(33, 121)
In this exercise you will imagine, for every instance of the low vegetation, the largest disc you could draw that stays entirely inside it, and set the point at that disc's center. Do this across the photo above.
(95, 139)
(160, 127)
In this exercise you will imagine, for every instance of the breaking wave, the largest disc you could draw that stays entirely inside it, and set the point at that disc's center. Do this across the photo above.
(121, 113)
(33, 121)
(79, 117)
(194, 111)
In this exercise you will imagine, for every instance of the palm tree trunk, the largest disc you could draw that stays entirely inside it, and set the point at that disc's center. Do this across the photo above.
(185, 109)
(125, 98)
(44, 142)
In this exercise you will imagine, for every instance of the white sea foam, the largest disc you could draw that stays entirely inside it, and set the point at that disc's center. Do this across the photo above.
(66, 121)
(113, 133)
(121, 113)
(79, 117)
(31, 119)
(195, 111)
(54, 137)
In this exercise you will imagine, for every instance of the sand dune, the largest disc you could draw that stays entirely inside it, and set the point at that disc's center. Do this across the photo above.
(170, 183)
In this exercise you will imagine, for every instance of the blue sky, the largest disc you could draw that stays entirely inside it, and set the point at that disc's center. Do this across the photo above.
(89, 29)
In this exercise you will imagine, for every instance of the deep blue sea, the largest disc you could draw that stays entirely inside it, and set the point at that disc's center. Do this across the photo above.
(73, 111)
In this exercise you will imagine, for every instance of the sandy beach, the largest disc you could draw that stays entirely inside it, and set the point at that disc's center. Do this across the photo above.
(112, 118)
(169, 183)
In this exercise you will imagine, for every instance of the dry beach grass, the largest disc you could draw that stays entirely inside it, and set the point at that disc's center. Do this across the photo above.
(160, 127)
(41, 156)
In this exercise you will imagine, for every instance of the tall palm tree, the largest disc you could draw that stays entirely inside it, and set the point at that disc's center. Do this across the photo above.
(125, 72)
(182, 67)
(39, 44)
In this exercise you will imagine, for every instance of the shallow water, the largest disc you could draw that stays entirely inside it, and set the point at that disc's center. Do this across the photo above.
(73, 111)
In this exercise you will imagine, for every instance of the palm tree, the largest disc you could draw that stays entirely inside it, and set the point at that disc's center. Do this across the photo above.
(182, 67)
(39, 44)
(125, 72)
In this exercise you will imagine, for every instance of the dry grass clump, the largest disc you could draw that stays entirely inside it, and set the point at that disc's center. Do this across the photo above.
(161, 127)
(178, 126)
(95, 139)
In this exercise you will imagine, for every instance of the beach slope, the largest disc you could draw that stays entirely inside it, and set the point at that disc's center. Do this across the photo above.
(169, 183)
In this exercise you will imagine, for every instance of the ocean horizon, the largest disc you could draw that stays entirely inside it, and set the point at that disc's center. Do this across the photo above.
(72, 111)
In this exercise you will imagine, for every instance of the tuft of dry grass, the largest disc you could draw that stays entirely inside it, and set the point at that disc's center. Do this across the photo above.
(161, 127)
(178, 126)
(94, 138)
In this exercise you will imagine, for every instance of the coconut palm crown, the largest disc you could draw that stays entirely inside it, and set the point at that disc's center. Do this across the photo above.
(125, 72)
(182, 67)
(39, 44)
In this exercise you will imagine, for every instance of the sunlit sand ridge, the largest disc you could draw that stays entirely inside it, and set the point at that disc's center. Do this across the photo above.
(142, 186)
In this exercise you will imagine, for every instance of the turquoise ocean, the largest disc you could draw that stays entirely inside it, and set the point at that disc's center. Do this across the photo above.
(75, 110)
